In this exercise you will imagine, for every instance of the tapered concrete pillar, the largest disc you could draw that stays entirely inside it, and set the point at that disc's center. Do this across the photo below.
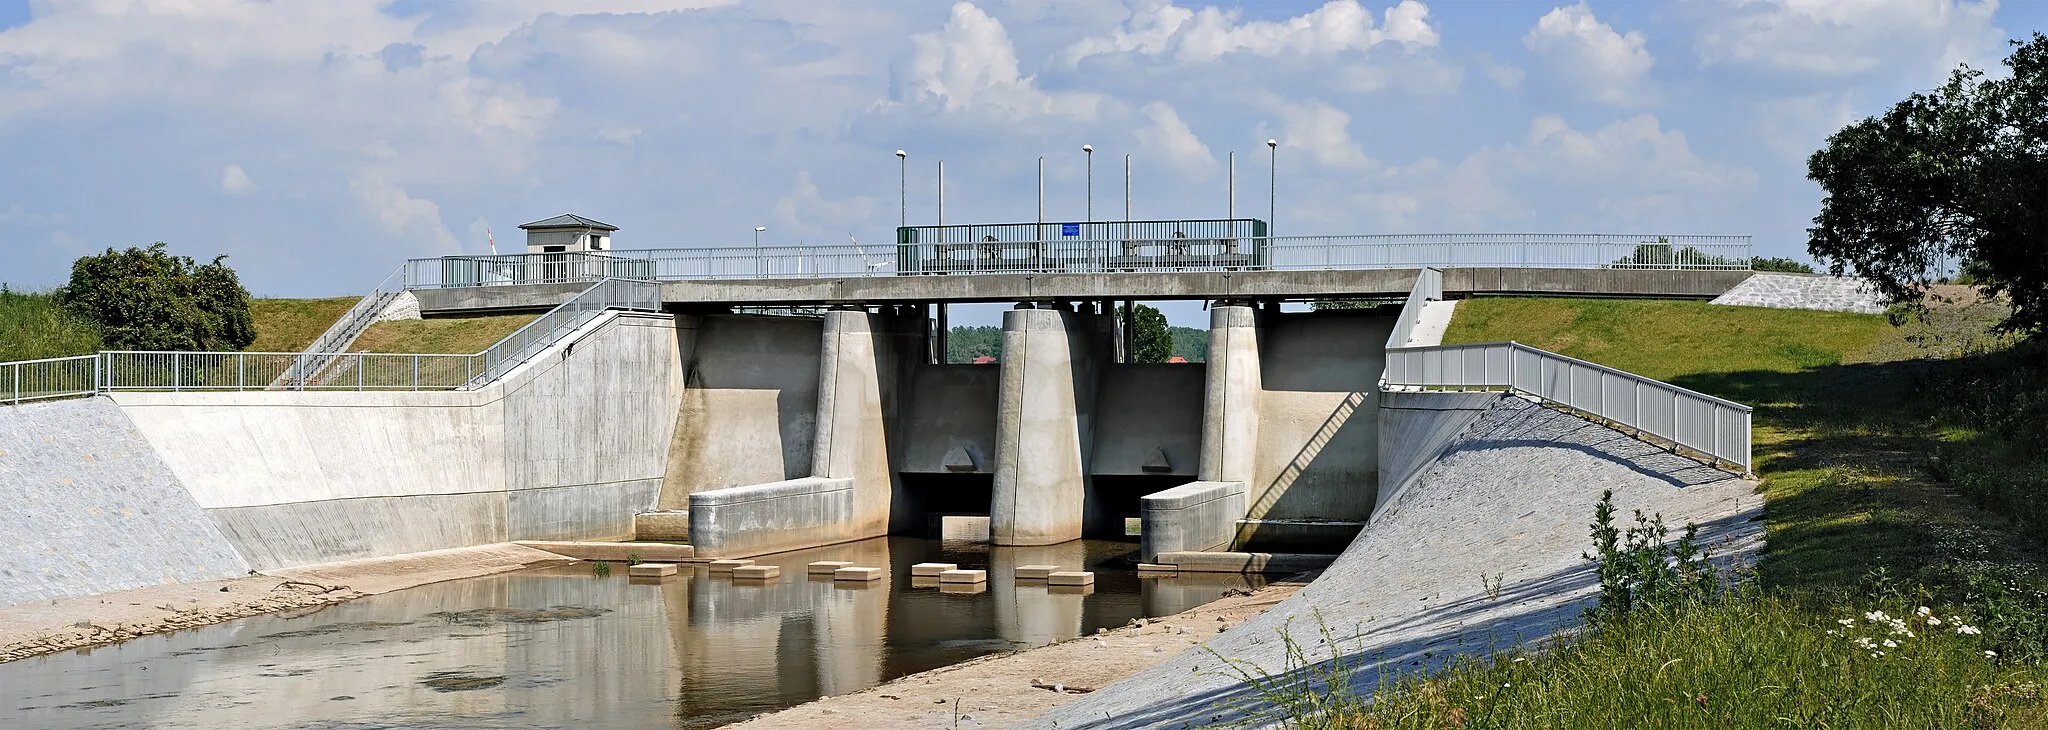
(1052, 363)
(1230, 426)
(860, 371)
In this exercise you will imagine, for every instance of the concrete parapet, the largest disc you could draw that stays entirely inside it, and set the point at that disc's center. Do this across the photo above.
(1045, 423)
(773, 517)
(1195, 516)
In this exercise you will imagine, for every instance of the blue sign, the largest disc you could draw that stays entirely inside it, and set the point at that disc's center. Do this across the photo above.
(1070, 229)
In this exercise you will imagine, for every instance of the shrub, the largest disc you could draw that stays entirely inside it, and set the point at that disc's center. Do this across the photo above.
(148, 299)
(1779, 264)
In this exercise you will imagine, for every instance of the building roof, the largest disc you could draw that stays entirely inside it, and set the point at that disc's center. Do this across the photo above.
(569, 220)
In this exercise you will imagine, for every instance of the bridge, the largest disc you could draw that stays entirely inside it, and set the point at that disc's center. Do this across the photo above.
(652, 402)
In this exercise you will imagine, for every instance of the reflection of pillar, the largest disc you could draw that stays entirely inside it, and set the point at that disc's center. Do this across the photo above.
(1230, 425)
(858, 376)
(1026, 613)
(1045, 425)
(848, 628)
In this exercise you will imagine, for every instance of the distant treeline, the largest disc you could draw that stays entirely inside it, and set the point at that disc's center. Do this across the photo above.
(967, 343)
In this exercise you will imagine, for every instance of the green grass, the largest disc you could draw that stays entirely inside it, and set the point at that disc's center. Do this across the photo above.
(33, 326)
(450, 336)
(1901, 466)
(291, 325)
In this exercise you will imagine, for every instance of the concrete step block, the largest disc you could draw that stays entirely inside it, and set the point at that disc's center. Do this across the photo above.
(1071, 578)
(859, 575)
(616, 552)
(726, 566)
(756, 572)
(964, 588)
(924, 581)
(651, 570)
(1035, 572)
(964, 576)
(1157, 570)
(931, 568)
(825, 567)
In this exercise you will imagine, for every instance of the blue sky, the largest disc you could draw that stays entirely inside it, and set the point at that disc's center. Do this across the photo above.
(320, 143)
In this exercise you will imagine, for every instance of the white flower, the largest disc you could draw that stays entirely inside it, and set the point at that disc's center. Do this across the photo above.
(1923, 611)
(1989, 654)
(1967, 630)
(1876, 617)
(1889, 644)
(1876, 654)
(1846, 622)
(1832, 632)
(1933, 621)
(1865, 643)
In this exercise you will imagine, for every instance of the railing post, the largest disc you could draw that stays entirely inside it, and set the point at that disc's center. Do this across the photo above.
(359, 372)
(177, 372)
(16, 367)
(415, 372)
(241, 367)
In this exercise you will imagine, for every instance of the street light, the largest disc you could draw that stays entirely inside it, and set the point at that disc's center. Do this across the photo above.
(1272, 184)
(757, 250)
(903, 188)
(1090, 149)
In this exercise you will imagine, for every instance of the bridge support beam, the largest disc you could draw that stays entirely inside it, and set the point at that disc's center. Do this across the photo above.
(1230, 426)
(1052, 366)
(865, 361)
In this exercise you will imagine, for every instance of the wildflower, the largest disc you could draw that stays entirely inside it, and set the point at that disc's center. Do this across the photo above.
(1889, 644)
(1832, 632)
(1967, 630)
(1923, 611)
(1865, 643)
(1876, 617)
(1876, 655)
(1989, 654)
(1933, 620)
(1846, 622)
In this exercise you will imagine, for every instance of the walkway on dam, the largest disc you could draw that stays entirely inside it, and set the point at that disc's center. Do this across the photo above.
(1512, 498)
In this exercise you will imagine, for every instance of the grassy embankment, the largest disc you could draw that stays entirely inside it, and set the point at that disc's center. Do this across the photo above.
(1902, 467)
(33, 326)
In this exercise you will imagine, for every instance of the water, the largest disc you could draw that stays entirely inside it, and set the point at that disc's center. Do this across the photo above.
(562, 647)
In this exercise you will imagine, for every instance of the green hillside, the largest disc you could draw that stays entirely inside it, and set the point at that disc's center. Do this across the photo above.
(33, 326)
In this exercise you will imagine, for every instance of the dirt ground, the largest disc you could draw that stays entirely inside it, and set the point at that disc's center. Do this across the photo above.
(1004, 689)
(34, 629)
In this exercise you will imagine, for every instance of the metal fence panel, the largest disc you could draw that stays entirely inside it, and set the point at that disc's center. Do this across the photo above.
(1712, 426)
(57, 377)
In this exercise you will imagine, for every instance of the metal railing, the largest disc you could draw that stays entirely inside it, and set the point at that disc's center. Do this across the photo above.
(1103, 251)
(1429, 287)
(538, 335)
(196, 371)
(1714, 427)
(336, 340)
(56, 377)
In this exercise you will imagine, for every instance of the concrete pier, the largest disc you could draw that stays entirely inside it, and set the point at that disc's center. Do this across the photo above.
(1052, 362)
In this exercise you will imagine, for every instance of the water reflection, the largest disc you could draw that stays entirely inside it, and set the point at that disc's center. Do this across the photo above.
(561, 647)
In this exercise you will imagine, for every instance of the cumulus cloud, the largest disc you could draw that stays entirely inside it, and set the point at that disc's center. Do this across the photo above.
(1324, 132)
(805, 212)
(1590, 56)
(235, 181)
(1836, 38)
(1161, 28)
(971, 65)
(1169, 138)
(416, 220)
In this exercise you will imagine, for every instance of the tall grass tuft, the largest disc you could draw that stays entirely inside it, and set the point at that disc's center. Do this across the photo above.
(34, 326)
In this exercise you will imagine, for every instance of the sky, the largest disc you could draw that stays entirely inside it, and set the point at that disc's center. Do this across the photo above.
(319, 144)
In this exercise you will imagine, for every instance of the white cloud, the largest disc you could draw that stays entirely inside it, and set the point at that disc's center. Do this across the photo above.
(1589, 56)
(1160, 28)
(416, 220)
(1324, 132)
(804, 213)
(971, 65)
(1170, 138)
(1836, 38)
(234, 181)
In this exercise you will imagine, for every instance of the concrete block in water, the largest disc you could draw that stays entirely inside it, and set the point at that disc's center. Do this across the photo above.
(1071, 578)
(660, 552)
(966, 588)
(1035, 572)
(825, 567)
(860, 575)
(756, 572)
(1085, 589)
(651, 570)
(770, 518)
(727, 566)
(924, 581)
(931, 568)
(1191, 517)
(964, 576)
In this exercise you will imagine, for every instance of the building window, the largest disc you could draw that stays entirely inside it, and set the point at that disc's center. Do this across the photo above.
(553, 249)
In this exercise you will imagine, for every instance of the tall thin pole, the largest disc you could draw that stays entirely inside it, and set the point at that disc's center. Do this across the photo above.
(1127, 194)
(903, 187)
(1231, 206)
(1041, 188)
(1272, 184)
(1090, 149)
(942, 192)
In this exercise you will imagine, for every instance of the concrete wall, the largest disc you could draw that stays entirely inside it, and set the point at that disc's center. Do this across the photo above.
(1147, 409)
(749, 405)
(90, 508)
(753, 520)
(1045, 426)
(864, 372)
(568, 446)
(950, 406)
(1192, 516)
(1317, 455)
(1416, 428)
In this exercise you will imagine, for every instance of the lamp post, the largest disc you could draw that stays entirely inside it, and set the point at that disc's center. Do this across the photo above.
(1090, 149)
(1127, 195)
(757, 250)
(942, 192)
(903, 187)
(1272, 184)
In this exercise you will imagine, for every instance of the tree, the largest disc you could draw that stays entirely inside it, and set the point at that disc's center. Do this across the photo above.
(1955, 176)
(1779, 264)
(148, 299)
(1154, 342)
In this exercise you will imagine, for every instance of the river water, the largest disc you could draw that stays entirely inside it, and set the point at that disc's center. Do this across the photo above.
(563, 647)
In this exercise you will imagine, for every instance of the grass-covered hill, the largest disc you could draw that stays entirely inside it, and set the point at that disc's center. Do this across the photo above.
(33, 326)
(1902, 467)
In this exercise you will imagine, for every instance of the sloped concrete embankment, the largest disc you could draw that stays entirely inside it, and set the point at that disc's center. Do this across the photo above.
(90, 508)
(569, 445)
(1510, 500)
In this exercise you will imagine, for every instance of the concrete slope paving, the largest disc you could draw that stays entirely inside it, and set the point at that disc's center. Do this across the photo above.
(1512, 498)
(90, 508)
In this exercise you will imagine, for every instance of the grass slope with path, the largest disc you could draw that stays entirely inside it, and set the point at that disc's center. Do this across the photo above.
(34, 326)
(1902, 467)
